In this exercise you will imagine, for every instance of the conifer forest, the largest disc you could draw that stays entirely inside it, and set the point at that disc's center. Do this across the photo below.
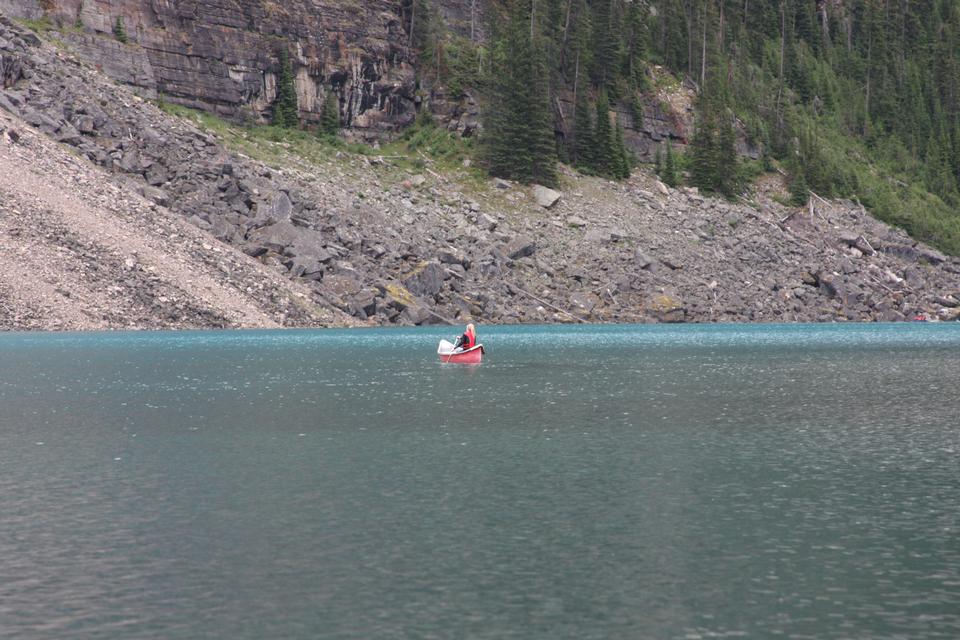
(845, 98)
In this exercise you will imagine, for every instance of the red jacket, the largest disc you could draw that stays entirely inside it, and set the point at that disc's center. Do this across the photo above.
(468, 340)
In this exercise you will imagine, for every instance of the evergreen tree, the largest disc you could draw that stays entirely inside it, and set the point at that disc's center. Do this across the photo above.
(728, 166)
(714, 156)
(623, 163)
(119, 32)
(606, 41)
(285, 109)
(519, 134)
(704, 149)
(636, 37)
(603, 139)
(670, 175)
(799, 191)
(330, 115)
(584, 146)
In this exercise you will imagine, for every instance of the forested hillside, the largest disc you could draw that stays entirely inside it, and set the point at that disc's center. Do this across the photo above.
(854, 98)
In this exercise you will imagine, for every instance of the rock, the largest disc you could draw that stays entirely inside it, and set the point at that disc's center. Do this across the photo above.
(667, 308)
(931, 256)
(341, 285)
(487, 222)
(846, 266)
(545, 197)
(520, 248)
(451, 256)
(281, 207)
(308, 268)
(949, 315)
(857, 241)
(426, 280)
(364, 304)
(641, 260)
(914, 277)
(157, 196)
(902, 251)
(584, 302)
(671, 263)
(832, 286)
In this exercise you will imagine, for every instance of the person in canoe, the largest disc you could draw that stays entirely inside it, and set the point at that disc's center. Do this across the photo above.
(468, 340)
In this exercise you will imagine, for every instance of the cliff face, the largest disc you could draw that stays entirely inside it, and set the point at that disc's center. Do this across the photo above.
(222, 55)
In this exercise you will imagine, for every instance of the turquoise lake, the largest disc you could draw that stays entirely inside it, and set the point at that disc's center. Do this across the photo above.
(795, 481)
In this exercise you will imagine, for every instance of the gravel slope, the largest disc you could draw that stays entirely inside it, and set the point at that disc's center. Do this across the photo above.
(78, 251)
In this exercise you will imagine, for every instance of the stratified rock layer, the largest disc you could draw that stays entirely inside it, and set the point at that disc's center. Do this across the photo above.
(223, 56)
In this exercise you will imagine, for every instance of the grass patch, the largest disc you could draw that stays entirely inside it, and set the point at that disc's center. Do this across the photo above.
(421, 147)
(40, 26)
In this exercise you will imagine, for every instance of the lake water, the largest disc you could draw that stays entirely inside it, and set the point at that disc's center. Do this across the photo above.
(583, 482)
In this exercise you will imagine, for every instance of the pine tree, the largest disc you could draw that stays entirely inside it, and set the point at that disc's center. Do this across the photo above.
(623, 162)
(330, 115)
(285, 109)
(670, 176)
(704, 149)
(606, 41)
(119, 32)
(636, 37)
(603, 139)
(727, 169)
(584, 146)
(519, 133)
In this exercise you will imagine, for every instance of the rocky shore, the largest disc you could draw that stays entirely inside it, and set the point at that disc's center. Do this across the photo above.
(360, 239)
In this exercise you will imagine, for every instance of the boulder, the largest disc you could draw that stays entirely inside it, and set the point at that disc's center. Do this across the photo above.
(641, 260)
(520, 248)
(289, 239)
(451, 256)
(363, 304)
(308, 268)
(902, 251)
(280, 207)
(832, 286)
(931, 256)
(487, 222)
(425, 280)
(545, 197)
(667, 308)
(342, 285)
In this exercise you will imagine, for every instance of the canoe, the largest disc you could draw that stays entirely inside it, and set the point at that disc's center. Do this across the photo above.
(470, 356)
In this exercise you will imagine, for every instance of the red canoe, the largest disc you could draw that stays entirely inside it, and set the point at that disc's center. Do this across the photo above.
(471, 356)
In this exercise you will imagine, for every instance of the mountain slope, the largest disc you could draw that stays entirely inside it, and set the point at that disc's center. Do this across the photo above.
(78, 251)
(393, 237)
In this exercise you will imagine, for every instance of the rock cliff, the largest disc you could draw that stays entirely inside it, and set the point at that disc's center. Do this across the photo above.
(222, 56)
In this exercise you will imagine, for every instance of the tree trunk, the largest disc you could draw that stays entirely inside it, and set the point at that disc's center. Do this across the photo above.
(533, 13)
(413, 21)
(703, 52)
(473, 20)
(783, 43)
